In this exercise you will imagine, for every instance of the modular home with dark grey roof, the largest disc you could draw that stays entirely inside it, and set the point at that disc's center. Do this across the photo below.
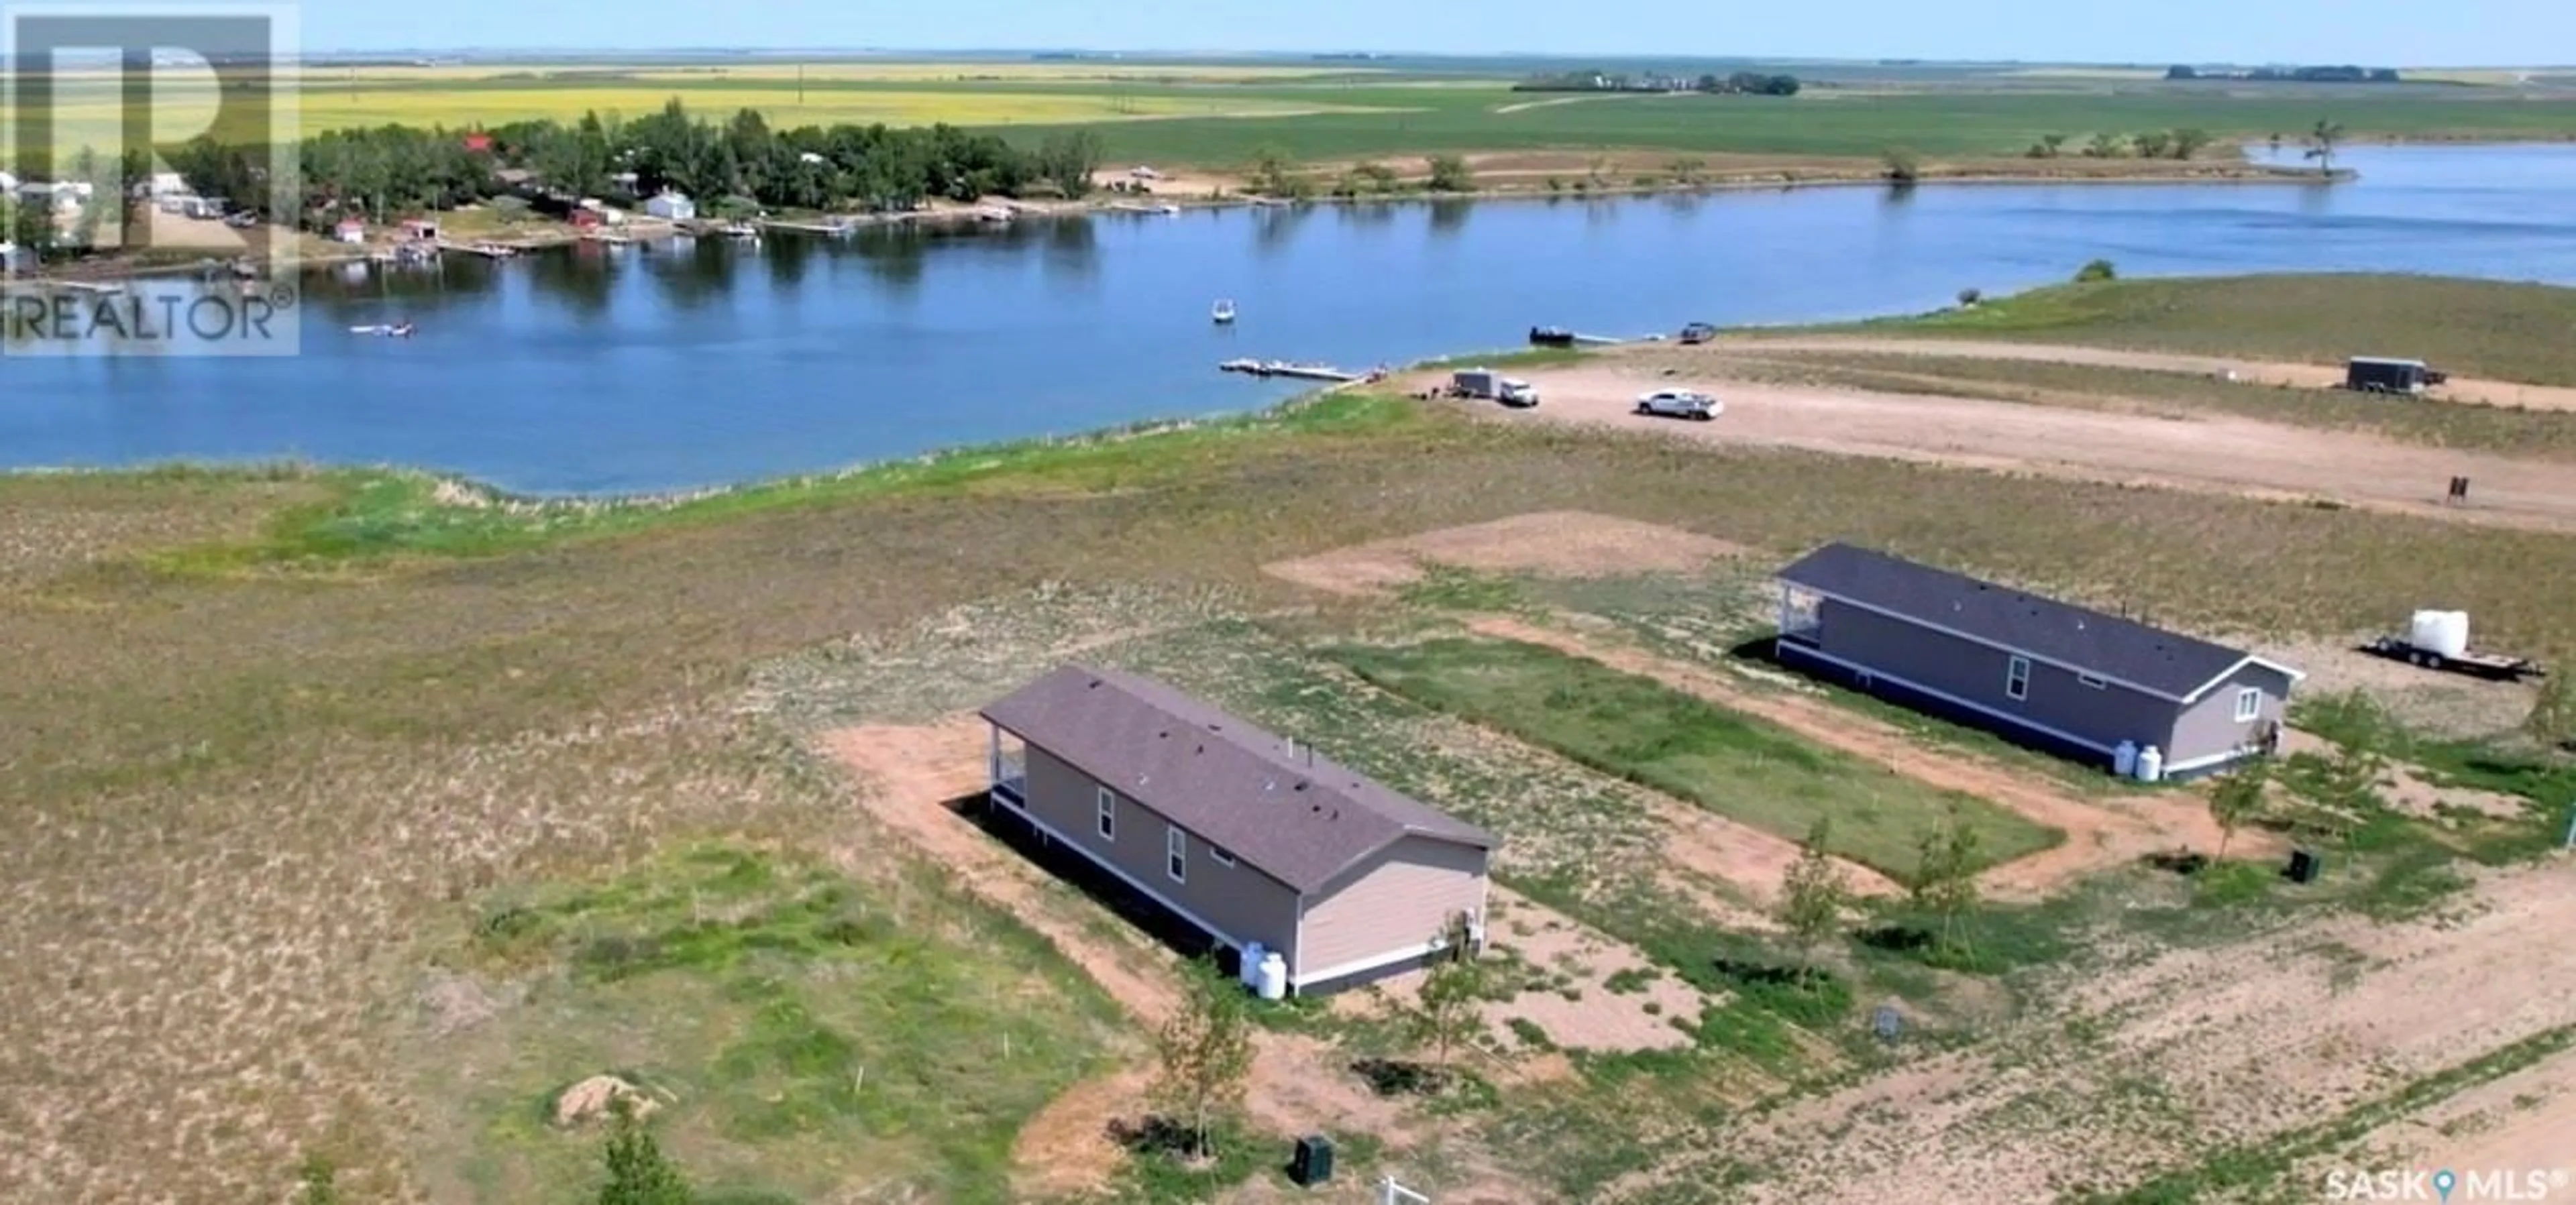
(1249, 837)
(2045, 672)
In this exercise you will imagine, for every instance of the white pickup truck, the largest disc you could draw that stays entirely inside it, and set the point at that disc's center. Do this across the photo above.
(1679, 403)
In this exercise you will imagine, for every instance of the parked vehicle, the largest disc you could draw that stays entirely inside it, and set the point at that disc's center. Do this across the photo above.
(2439, 640)
(1679, 403)
(1486, 383)
(1551, 336)
(2373, 374)
(1698, 332)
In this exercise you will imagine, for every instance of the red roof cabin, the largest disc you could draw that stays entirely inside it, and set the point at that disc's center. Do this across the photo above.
(585, 219)
(350, 230)
(420, 228)
(478, 143)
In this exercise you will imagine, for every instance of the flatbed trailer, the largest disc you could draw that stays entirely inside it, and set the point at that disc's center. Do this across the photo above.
(2472, 663)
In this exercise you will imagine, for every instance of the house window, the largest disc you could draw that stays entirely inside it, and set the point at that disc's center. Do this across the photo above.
(2090, 680)
(2017, 678)
(2249, 705)
(1176, 853)
(1217, 854)
(1108, 815)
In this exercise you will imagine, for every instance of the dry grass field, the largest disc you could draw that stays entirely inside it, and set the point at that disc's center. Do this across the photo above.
(354, 816)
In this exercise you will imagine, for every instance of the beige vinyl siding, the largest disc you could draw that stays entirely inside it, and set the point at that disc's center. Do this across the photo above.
(1398, 901)
(1243, 902)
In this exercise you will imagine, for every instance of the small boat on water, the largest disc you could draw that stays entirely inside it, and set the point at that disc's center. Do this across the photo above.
(742, 230)
(1222, 312)
(390, 330)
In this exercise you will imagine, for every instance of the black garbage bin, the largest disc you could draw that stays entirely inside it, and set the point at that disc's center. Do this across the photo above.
(2304, 866)
(1313, 1162)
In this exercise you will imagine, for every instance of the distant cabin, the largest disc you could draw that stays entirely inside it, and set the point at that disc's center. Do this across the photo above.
(1253, 840)
(672, 207)
(2052, 674)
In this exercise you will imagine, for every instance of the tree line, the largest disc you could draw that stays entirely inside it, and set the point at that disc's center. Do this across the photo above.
(390, 170)
(1741, 83)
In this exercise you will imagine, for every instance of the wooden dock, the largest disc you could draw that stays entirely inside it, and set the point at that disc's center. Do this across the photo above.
(1282, 368)
(486, 250)
(810, 227)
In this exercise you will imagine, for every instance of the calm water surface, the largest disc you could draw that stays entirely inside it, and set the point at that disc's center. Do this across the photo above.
(596, 369)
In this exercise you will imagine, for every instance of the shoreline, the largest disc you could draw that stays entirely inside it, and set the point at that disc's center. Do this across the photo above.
(1861, 174)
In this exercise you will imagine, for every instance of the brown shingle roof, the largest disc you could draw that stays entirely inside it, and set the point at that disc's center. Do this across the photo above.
(1296, 817)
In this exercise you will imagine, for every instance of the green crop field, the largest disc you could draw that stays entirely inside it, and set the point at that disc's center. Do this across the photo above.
(1219, 113)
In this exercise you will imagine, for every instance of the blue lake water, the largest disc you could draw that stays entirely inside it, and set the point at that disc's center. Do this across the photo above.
(598, 370)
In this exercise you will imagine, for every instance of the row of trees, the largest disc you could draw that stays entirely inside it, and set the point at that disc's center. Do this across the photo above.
(381, 172)
(2152, 144)
(2294, 75)
(1741, 83)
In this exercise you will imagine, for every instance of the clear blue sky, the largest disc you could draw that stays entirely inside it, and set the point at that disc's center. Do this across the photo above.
(2369, 32)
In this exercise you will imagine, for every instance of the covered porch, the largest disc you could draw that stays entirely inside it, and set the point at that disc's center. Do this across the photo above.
(1007, 769)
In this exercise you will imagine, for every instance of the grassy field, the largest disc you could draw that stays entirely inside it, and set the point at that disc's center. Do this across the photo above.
(271, 743)
(2536, 433)
(1643, 731)
(801, 1035)
(2512, 332)
(1220, 113)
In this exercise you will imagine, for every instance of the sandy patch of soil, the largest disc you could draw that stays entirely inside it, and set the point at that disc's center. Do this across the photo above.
(1584, 960)
(2210, 453)
(1548, 543)
(2098, 834)
(2463, 390)
(2425, 700)
(2519, 1123)
(2199, 1048)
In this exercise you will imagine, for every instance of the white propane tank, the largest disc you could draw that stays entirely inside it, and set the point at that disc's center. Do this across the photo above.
(1249, 968)
(1274, 976)
(2441, 633)
(2124, 759)
(2151, 764)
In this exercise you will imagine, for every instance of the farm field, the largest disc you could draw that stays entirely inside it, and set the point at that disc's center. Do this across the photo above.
(1221, 113)
(357, 815)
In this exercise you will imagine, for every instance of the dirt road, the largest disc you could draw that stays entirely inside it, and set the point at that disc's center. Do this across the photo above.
(2217, 454)
(2266, 372)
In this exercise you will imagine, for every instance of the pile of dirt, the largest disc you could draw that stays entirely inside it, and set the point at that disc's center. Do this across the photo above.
(598, 1097)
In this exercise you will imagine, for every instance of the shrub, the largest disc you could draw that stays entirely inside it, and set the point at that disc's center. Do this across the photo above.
(2097, 271)
(1449, 174)
(1970, 297)
(1903, 167)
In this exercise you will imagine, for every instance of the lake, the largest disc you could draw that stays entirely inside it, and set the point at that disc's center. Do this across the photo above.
(596, 369)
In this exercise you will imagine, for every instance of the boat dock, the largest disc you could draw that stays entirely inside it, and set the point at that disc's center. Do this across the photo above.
(1281, 368)
(809, 227)
(486, 250)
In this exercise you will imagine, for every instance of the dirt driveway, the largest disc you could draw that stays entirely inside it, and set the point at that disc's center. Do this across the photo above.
(2218, 454)
(2265, 372)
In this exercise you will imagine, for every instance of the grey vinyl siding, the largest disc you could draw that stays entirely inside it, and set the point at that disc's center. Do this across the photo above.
(1243, 902)
(2209, 727)
(1974, 673)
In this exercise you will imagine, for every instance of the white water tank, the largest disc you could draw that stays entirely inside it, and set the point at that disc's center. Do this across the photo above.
(1249, 968)
(1273, 984)
(2443, 633)
(2124, 759)
(2151, 764)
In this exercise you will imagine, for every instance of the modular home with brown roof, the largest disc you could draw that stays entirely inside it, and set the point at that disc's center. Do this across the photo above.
(2071, 679)
(1251, 838)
